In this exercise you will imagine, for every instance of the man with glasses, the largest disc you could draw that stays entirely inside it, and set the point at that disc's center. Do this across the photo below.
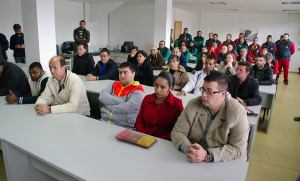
(214, 126)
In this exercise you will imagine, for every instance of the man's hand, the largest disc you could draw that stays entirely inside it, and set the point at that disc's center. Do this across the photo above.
(196, 153)
(11, 97)
(90, 77)
(241, 101)
(42, 109)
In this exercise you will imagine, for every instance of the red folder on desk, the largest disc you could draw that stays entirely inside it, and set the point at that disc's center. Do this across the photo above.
(136, 138)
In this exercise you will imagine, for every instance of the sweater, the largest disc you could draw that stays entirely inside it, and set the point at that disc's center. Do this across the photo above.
(3, 46)
(111, 70)
(72, 97)
(37, 88)
(248, 91)
(121, 104)
(152, 118)
(17, 39)
(13, 78)
(144, 74)
(264, 75)
(83, 65)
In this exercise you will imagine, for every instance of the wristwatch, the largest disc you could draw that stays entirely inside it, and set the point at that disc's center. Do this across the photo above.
(209, 157)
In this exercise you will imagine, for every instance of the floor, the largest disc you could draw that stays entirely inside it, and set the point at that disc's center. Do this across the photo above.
(276, 155)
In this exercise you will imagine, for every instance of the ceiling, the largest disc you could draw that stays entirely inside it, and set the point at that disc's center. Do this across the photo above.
(241, 6)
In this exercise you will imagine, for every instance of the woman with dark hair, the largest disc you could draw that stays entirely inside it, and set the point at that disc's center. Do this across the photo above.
(228, 66)
(144, 71)
(160, 110)
(178, 72)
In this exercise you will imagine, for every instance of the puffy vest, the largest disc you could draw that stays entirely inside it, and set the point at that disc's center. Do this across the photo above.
(284, 51)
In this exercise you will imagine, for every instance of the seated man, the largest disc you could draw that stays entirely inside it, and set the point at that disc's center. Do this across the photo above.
(64, 91)
(106, 68)
(37, 81)
(83, 62)
(13, 78)
(197, 78)
(243, 86)
(122, 99)
(213, 127)
(262, 72)
(155, 59)
(164, 51)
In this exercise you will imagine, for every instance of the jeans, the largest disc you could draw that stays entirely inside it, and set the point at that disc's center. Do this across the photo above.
(20, 59)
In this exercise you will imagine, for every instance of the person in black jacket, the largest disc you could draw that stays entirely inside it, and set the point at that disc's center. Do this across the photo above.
(155, 59)
(131, 57)
(243, 86)
(144, 71)
(37, 81)
(83, 62)
(12, 78)
(106, 68)
(17, 44)
(262, 72)
(3, 46)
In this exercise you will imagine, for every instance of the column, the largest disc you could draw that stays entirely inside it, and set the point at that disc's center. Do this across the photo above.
(39, 31)
(162, 21)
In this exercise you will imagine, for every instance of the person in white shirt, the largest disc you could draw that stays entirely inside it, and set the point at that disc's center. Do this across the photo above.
(64, 91)
(197, 79)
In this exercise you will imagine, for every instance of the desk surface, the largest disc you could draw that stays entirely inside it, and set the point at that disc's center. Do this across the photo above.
(267, 89)
(86, 149)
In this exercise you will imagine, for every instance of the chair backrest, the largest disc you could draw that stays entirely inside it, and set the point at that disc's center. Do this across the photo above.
(126, 47)
(67, 47)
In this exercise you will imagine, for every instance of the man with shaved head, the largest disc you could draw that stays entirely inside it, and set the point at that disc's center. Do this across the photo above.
(156, 60)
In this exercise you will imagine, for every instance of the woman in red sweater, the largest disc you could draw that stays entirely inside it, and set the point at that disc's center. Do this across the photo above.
(160, 110)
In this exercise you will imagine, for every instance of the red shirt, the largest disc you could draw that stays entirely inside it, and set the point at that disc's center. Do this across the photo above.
(158, 119)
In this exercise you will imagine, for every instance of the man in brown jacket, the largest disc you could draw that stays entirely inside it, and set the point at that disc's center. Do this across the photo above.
(213, 127)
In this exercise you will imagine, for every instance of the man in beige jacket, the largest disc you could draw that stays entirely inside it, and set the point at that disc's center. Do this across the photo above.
(213, 127)
(64, 91)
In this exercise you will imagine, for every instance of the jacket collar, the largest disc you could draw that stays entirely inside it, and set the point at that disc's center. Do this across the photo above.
(170, 98)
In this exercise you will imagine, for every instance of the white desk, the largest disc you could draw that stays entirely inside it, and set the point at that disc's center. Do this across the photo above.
(268, 94)
(253, 121)
(70, 146)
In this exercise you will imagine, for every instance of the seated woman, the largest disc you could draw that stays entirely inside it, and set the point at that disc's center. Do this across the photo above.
(200, 63)
(152, 118)
(228, 66)
(144, 71)
(180, 75)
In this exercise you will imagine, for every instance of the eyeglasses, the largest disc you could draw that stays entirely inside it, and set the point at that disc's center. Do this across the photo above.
(209, 91)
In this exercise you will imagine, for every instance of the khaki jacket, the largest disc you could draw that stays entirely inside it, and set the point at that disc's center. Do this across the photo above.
(227, 135)
(181, 77)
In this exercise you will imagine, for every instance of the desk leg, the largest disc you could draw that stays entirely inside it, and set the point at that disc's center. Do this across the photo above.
(267, 104)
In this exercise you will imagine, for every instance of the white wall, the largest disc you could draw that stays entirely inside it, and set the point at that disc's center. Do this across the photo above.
(67, 17)
(10, 13)
(132, 23)
(274, 24)
(191, 20)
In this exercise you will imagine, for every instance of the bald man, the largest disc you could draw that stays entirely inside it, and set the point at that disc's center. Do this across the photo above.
(64, 91)
(156, 60)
